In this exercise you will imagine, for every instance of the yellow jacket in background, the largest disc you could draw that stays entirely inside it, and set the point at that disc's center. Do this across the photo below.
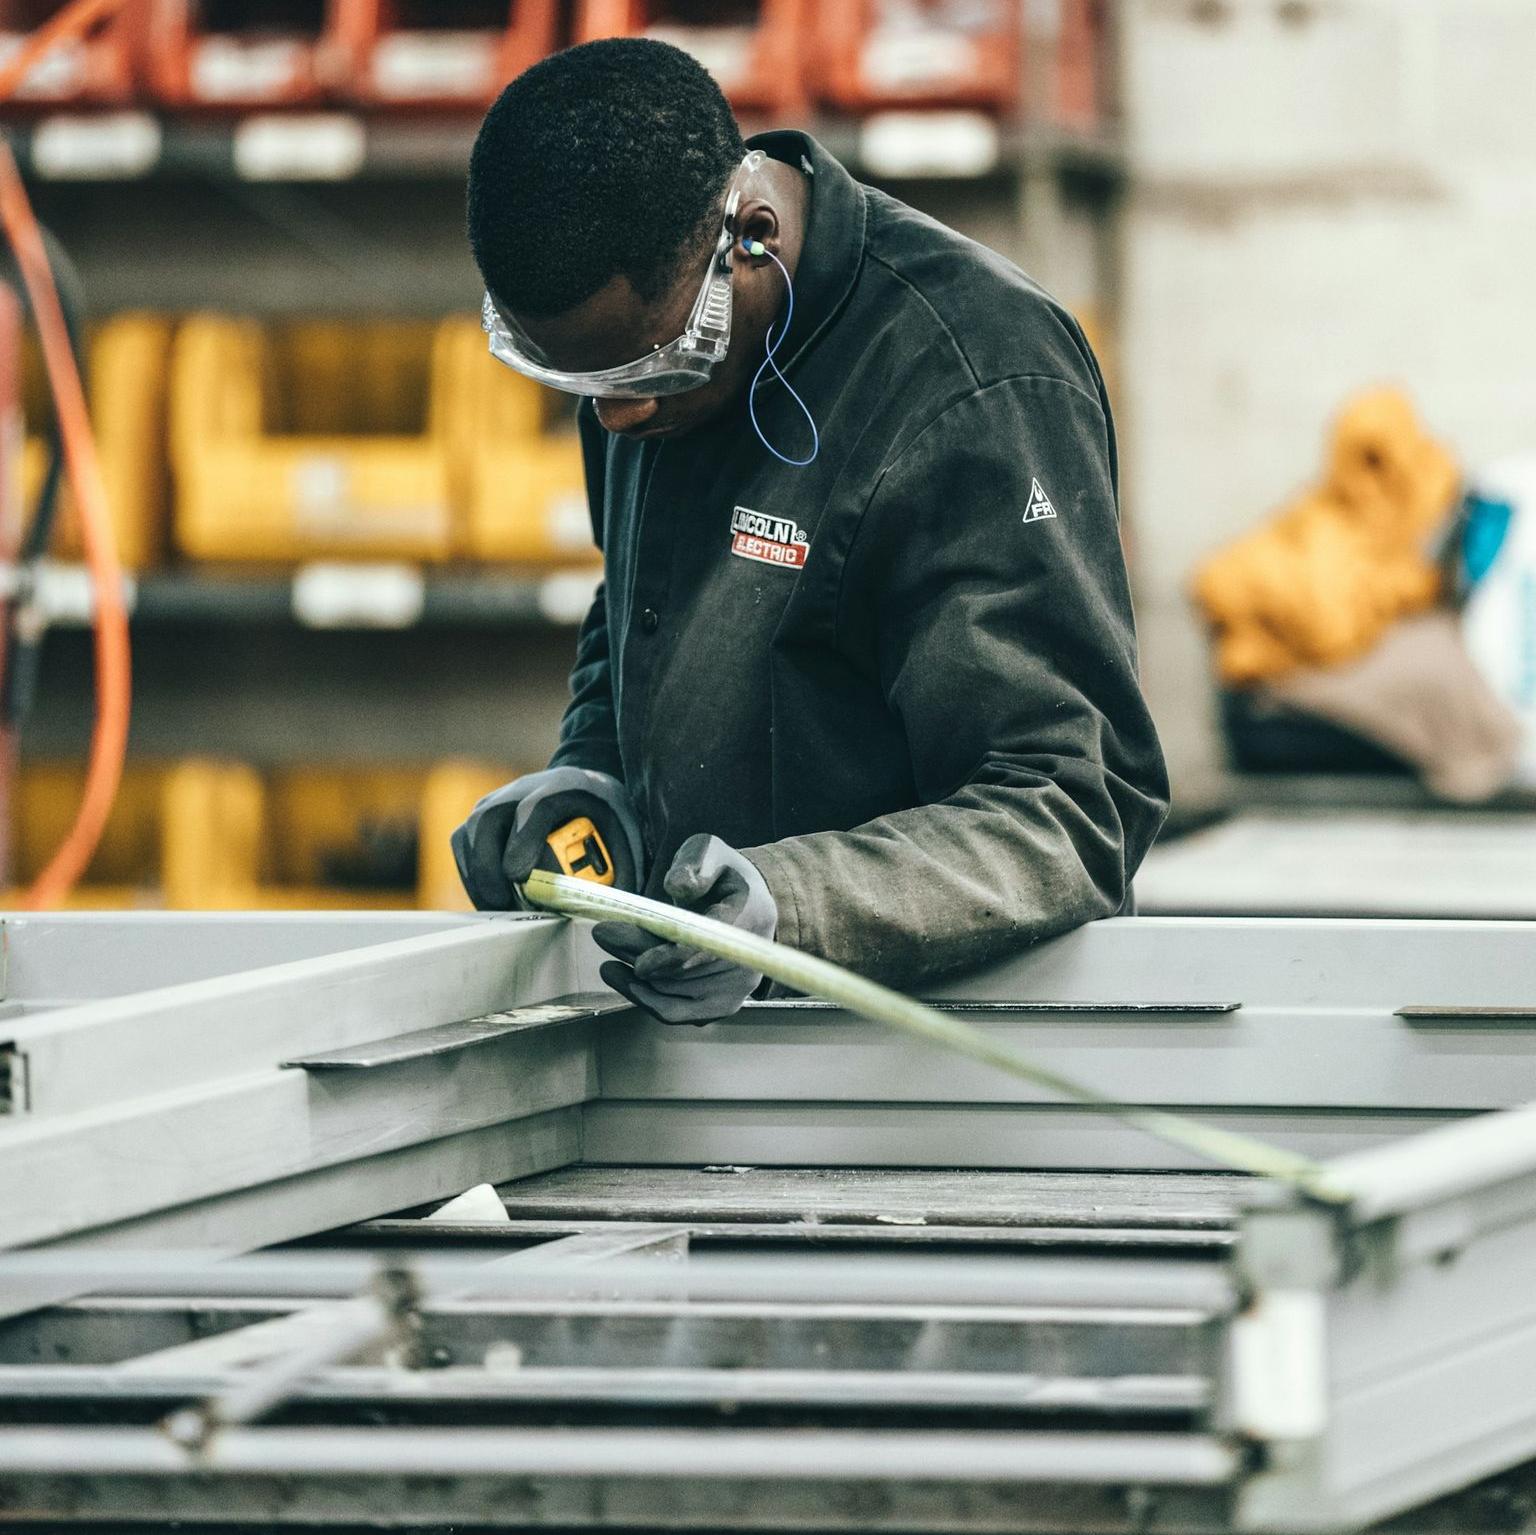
(1319, 582)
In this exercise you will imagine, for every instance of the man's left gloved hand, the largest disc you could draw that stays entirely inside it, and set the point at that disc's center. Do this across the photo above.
(677, 983)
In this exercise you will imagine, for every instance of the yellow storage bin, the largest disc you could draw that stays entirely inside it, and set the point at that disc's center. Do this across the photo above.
(528, 504)
(211, 836)
(208, 835)
(517, 465)
(124, 871)
(447, 796)
(349, 828)
(307, 441)
(129, 377)
(474, 397)
(185, 835)
(234, 839)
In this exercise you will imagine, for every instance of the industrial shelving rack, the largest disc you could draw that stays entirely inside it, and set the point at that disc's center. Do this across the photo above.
(145, 231)
(346, 210)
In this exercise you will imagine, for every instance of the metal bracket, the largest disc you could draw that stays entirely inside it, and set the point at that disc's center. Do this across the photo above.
(1453, 1013)
(945, 1005)
(421, 1043)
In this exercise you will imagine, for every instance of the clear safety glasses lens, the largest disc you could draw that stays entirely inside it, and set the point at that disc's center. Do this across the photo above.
(680, 365)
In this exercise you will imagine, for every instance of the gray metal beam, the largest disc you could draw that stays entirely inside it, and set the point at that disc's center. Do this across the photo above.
(1270, 962)
(899, 1199)
(1293, 1053)
(103, 1388)
(947, 1135)
(69, 1173)
(707, 1456)
(104, 1052)
(313, 1202)
(260, 1342)
(1453, 1163)
(1089, 1343)
(1423, 1360)
(57, 957)
(802, 1278)
(789, 1234)
(619, 1504)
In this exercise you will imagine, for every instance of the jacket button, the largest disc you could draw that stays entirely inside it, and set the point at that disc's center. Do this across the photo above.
(650, 621)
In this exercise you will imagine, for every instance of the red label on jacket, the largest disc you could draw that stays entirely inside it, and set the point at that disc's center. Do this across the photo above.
(769, 540)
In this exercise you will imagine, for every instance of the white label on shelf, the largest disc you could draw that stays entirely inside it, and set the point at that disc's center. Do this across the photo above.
(409, 64)
(565, 596)
(60, 72)
(115, 146)
(325, 508)
(66, 594)
(904, 59)
(317, 146)
(569, 520)
(333, 596)
(726, 52)
(321, 485)
(226, 69)
(929, 144)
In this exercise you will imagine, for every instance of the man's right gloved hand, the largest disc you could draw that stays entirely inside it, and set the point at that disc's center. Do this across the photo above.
(497, 848)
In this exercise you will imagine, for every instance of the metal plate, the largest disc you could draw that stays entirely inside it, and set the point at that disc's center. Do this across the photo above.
(949, 1005)
(448, 1037)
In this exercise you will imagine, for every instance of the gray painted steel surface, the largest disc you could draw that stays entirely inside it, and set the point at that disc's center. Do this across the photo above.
(879, 1349)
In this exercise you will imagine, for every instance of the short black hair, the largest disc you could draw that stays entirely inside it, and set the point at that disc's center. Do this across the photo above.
(608, 158)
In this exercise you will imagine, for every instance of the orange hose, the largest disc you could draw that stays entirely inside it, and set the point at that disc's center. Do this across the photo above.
(72, 22)
(109, 738)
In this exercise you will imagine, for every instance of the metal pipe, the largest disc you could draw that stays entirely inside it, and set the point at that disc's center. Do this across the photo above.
(781, 1454)
(109, 1385)
(250, 1394)
(112, 1049)
(830, 1279)
(818, 977)
(1437, 1165)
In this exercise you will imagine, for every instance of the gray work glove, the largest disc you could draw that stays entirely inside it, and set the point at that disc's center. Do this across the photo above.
(677, 983)
(498, 847)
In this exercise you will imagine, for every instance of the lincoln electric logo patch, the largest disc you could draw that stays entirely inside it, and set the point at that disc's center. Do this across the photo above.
(769, 540)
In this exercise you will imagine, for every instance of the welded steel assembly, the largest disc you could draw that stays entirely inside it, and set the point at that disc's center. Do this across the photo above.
(791, 1271)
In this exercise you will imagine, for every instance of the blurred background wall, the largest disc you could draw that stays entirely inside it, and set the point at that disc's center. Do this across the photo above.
(1320, 195)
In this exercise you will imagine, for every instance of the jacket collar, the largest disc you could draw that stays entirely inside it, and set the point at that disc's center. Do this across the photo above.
(833, 249)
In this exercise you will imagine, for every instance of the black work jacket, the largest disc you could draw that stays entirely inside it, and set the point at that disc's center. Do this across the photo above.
(902, 680)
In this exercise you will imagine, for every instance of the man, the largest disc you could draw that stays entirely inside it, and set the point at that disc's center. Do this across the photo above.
(861, 674)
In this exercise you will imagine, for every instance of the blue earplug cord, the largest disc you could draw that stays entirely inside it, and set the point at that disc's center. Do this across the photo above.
(757, 248)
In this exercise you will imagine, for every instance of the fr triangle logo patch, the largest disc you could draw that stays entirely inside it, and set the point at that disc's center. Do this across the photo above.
(1039, 503)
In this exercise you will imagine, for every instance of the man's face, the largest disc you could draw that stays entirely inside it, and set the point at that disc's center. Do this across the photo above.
(616, 326)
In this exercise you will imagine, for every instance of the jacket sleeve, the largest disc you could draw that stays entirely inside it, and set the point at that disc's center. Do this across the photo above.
(589, 729)
(988, 571)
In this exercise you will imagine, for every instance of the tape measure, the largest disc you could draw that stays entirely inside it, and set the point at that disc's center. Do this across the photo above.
(578, 849)
(818, 977)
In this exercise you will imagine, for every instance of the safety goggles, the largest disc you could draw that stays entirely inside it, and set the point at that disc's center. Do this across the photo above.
(686, 363)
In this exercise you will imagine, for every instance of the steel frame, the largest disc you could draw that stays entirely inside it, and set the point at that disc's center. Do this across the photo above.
(1327, 1368)
(136, 1038)
(1411, 1323)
